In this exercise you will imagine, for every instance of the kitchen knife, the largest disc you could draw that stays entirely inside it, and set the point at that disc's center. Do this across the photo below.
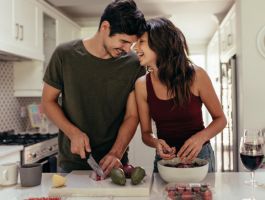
(94, 165)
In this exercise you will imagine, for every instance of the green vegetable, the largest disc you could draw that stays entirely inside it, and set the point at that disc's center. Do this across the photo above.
(117, 176)
(137, 175)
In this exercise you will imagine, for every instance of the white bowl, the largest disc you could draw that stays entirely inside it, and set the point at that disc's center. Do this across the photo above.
(182, 175)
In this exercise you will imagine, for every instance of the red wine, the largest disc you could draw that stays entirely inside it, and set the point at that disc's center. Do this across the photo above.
(251, 162)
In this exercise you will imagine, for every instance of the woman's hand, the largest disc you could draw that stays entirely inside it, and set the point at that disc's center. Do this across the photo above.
(164, 150)
(191, 148)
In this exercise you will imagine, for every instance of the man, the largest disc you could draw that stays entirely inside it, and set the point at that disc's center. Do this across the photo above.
(96, 78)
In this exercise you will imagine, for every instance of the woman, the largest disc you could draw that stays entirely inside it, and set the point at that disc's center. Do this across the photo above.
(172, 95)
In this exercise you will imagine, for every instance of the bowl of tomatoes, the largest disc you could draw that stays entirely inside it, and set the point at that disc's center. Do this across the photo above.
(175, 170)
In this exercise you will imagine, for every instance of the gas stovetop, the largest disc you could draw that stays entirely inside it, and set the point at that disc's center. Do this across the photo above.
(37, 146)
(25, 139)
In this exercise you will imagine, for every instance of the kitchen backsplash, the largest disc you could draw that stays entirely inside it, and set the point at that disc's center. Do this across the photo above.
(10, 106)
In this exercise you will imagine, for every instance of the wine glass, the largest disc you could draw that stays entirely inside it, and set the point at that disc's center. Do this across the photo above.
(251, 152)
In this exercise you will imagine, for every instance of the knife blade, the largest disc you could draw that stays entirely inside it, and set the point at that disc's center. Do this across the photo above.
(94, 165)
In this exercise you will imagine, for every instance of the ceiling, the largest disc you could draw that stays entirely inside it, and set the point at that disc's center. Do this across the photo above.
(198, 19)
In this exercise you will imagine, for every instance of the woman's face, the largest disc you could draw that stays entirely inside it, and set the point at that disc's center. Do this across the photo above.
(146, 55)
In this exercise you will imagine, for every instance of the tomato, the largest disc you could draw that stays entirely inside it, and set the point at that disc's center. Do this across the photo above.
(180, 189)
(196, 189)
(207, 195)
(187, 195)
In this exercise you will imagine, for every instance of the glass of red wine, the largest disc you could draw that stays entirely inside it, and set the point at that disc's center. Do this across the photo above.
(252, 152)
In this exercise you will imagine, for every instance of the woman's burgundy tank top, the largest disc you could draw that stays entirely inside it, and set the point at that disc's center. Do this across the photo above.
(175, 124)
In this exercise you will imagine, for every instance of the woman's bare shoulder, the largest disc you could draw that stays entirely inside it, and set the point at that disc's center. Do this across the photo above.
(200, 78)
(200, 75)
(140, 86)
(141, 81)
(199, 72)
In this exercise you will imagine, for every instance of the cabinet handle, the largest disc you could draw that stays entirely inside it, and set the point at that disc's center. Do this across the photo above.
(17, 31)
(229, 39)
(22, 32)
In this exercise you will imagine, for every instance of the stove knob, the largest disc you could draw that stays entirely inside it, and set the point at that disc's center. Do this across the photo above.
(50, 148)
(34, 155)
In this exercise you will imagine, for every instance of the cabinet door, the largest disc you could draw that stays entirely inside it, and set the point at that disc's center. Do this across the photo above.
(64, 31)
(75, 33)
(27, 26)
(28, 78)
(232, 40)
(213, 68)
(5, 22)
(223, 45)
(228, 36)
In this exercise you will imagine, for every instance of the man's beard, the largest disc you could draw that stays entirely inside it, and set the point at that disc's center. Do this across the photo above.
(109, 52)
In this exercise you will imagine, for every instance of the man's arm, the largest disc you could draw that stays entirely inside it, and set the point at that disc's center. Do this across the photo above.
(126, 133)
(50, 106)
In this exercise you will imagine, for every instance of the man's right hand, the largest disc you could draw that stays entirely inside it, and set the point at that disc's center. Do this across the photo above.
(80, 143)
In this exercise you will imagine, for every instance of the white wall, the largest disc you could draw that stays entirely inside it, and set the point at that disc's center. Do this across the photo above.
(139, 153)
(251, 65)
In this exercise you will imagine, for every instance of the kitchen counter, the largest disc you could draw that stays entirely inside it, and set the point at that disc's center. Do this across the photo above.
(224, 186)
(9, 149)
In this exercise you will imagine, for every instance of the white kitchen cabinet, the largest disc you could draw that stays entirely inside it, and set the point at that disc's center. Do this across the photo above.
(76, 32)
(228, 35)
(54, 29)
(28, 78)
(10, 154)
(213, 62)
(213, 67)
(27, 28)
(66, 31)
(19, 22)
(5, 24)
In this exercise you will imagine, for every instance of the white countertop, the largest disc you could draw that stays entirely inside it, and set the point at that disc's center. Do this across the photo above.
(225, 186)
(8, 149)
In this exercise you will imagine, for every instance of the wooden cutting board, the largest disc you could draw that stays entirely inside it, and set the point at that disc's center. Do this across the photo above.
(79, 183)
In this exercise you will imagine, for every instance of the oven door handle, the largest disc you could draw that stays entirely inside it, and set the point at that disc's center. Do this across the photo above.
(44, 162)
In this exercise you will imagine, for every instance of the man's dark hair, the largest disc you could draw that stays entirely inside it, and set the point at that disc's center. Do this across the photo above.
(124, 17)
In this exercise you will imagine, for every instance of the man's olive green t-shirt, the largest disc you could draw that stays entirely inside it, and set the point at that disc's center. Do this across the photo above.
(94, 96)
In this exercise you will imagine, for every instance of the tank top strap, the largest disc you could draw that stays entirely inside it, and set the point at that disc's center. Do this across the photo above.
(149, 87)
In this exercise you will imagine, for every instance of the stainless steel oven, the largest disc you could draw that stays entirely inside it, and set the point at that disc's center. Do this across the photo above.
(38, 148)
(49, 163)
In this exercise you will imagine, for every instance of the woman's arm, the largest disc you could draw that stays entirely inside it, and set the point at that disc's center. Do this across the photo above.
(193, 145)
(148, 136)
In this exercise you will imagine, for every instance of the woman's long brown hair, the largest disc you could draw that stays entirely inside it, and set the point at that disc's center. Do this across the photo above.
(175, 69)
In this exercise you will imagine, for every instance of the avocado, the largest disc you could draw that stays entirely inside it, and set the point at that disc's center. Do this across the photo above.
(137, 175)
(117, 176)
